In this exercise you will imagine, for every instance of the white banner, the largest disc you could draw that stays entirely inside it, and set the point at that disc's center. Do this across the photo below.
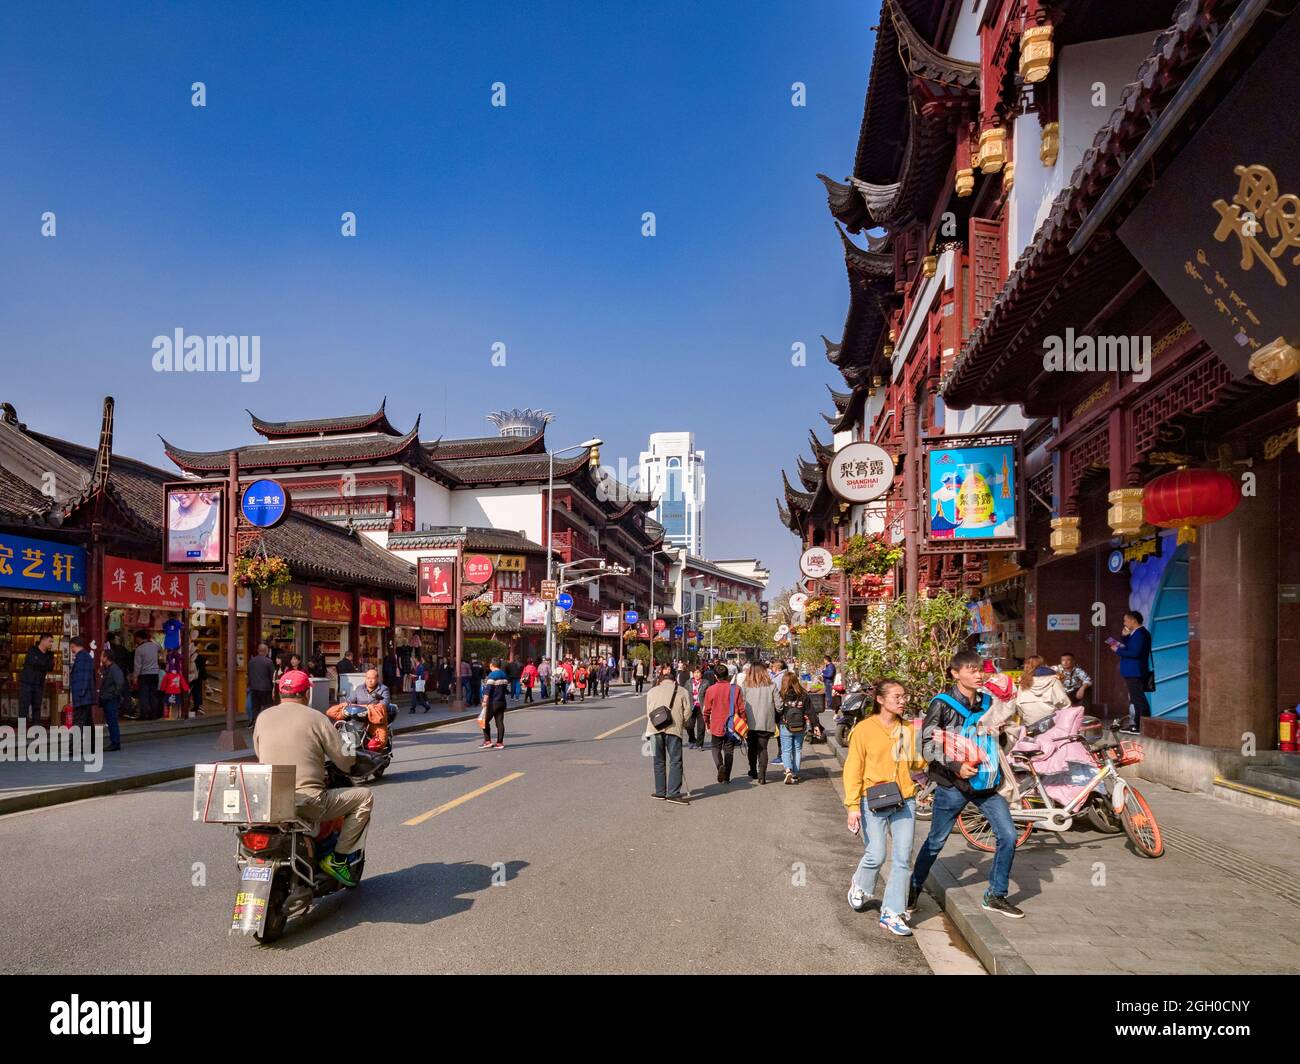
(534, 610)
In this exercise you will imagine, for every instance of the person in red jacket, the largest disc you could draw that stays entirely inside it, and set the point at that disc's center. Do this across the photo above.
(580, 680)
(717, 707)
(529, 678)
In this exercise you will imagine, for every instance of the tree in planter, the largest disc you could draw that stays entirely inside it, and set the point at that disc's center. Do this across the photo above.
(486, 649)
(814, 642)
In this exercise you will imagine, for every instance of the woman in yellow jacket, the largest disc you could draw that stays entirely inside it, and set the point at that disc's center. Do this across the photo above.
(882, 750)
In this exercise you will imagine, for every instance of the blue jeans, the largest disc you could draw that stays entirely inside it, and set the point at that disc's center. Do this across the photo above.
(110, 721)
(514, 688)
(546, 690)
(668, 748)
(877, 828)
(791, 749)
(948, 803)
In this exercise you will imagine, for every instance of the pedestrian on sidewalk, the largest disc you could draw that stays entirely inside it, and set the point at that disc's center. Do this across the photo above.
(760, 712)
(420, 683)
(1040, 692)
(261, 679)
(667, 739)
(949, 714)
(695, 723)
(197, 684)
(544, 678)
(392, 671)
(607, 676)
(529, 679)
(81, 683)
(795, 721)
(31, 693)
(1137, 668)
(721, 698)
(638, 673)
(496, 690)
(580, 680)
(112, 684)
(828, 681)
(1076, 682)
(878, 769)
(514, 673)
(146, 667)
(475, 679)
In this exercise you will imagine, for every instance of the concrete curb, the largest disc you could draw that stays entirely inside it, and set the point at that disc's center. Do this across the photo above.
(76, 792)
(997, 955)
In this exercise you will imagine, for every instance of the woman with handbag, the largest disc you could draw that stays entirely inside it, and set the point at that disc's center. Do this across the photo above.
(760, 714)
(878, 791)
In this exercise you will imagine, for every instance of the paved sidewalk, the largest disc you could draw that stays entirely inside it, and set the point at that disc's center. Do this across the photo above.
(1223, 899)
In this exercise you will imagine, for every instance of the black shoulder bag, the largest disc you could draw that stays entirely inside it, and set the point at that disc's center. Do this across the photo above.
(662, 716)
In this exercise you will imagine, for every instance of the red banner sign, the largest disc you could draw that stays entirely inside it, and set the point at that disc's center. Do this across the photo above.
(478, 569)
(434, 617)
(332, 606)
(128, 583)
(374, 613)
(406, 613)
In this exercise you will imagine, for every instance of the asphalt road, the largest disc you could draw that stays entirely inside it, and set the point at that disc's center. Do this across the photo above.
(556, 860)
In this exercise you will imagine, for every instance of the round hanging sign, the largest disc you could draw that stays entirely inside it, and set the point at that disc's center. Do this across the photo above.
(264, 503)
(816, 562)
(860, 472)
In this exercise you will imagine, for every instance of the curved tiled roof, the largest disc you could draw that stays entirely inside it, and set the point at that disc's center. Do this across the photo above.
(471, 537)
(485, 446)
(326, 551)
(306, 452)
(510, 468)
(327, 426)
(924, 60)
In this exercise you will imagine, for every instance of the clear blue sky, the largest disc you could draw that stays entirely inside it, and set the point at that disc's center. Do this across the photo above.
(476, 224)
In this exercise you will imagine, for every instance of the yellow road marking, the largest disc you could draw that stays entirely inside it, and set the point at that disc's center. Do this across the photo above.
(634, 720)
(461, 800)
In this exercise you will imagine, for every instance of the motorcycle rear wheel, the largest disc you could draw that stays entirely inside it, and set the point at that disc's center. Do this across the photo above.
(1140, 825)
(277, 914)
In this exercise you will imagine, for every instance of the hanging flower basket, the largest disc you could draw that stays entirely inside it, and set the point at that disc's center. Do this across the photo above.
(562, 629)
(262, 572)
(477, 608)
(869, 555)
(819, 606)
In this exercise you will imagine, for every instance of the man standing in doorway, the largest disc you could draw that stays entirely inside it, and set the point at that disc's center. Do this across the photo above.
(1135, 666)
(261, 679)
(146, 675)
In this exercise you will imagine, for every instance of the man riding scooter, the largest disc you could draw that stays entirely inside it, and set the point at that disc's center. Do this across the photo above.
(292, 733)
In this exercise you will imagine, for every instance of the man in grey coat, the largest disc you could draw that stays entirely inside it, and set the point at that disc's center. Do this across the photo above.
(668, 739)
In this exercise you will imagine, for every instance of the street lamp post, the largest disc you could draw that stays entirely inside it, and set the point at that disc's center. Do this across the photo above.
(550, 512)
(651, 622)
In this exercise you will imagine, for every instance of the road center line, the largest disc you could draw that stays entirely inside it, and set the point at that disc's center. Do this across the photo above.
(634, 720)
(460, 801)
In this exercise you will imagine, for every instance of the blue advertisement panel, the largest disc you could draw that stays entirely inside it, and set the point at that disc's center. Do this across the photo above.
(973, 496)
(39, 565)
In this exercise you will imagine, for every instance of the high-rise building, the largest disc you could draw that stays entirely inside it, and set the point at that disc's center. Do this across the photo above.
(672, 471)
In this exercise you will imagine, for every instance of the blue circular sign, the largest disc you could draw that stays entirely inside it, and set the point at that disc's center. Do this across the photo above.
(1115, 561)
(678, 630)
(631, 616)
(565, 601)
(264, 503)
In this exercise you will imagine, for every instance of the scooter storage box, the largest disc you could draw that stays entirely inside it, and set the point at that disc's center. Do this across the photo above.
(241, 793)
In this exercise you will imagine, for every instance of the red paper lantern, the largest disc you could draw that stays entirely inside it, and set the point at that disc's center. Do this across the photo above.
(1189, 498)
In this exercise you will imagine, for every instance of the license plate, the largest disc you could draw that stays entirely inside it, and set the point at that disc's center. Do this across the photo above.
(258, 872)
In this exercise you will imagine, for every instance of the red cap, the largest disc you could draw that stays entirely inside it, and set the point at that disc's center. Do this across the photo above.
(295, 682)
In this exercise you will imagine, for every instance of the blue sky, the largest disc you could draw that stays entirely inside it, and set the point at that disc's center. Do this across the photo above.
(476, 225)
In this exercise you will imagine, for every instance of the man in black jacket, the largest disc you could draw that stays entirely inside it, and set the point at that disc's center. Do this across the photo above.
(31, 684)
(953, 789)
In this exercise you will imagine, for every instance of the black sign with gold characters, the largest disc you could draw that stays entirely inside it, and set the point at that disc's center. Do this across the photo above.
(1220, 231)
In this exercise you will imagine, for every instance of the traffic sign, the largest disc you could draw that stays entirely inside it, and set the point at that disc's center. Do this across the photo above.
(264, 503)
(678, 631)
(565, 601)
(631, 616)
(550, 590)
(711, 626)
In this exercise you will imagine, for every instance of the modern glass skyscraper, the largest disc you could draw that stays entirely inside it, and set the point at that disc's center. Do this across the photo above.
(672, 470)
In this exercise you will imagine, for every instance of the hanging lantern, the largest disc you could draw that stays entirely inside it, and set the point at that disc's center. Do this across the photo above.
(965, 182)
(993, 149)
(1008, 176)
(929, 265)
(1275, 362)
(1125, 514)
(1036, 52)
(1189, 498)
(1065, 537)
(1049, 143)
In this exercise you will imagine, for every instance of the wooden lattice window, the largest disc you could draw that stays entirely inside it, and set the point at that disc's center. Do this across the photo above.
(1194, 392)
(988, 266)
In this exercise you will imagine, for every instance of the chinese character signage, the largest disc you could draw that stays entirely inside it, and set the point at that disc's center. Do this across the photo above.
(1220, 230)
(264, 503)
(194, 536)
(212, 593)
(39, 565)
(288, 600)
(478, 569)
(435, 580)
(406, 613)
(333, 607)
(374, 613)
(433, 617)
(973, 493)
(142, 584)
(508, 563)
(860, 472)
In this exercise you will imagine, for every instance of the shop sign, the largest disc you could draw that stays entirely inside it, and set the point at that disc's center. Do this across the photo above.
(1288, 593)
(434, 617)
(264, 503)
(973, 489)
(289, 600)
(1140, 549)
(660, 624)
(212, 593)
(860, 472)
(478, 569)
(1115, 561)
(435, 580)
(130, 583)
(1062, 622)
(194, 535)
(1218, 231)
(374, 613)
(816, 562)
(39, 565)
(508, 563)
(406, 613)
(534, 610)
(329, 606)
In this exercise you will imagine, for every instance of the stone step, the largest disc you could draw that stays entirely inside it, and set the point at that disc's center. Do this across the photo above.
(1259, 799)
(1280, 778)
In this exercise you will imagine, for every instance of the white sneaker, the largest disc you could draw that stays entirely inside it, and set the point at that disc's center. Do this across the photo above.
(858, 898)
(893, 923)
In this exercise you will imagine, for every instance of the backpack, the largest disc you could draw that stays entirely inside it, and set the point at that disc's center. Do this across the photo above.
(988, 773)
(792, 715)
(737, 728)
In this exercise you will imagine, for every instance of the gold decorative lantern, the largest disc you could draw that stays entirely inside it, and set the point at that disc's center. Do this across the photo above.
(1036, 52)
(930, 265)
(1008, 177)
(1125, 513)
(993, 149)
(1049, 146)
(1275, 362)
(965, 182)
(1065, 536)
(887, 350)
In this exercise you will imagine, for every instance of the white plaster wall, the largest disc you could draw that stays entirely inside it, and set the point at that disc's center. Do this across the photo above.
(432, 503)
(965, 42)
(516, 509)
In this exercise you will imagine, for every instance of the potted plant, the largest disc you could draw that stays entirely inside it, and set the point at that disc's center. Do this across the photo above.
(869, 555)
(262, 572)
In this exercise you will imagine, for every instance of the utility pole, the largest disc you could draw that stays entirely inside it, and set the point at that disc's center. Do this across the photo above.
(231, 738)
